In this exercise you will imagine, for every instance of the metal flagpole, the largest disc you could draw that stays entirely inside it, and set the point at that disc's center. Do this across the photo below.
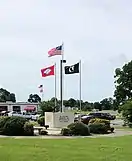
(61, 85)
(55, 86)
(42, 94)
(61, 78)
(80, 85)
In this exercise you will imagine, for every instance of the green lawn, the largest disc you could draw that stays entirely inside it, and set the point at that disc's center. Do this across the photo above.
(87, 149)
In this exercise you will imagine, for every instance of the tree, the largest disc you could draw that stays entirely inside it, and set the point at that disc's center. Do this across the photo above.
(123, 83)
(72, 102)
(86, 106)
(53, 99)
(47, 106)
(126, 109)
(34, 98)
(66, 103)
(12, 97)
(107, 104)
(115, 105)
(97, 105)
(6, 96)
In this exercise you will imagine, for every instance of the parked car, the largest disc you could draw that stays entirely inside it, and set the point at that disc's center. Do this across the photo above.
(4, 113)
(78, 117)
(30, 116)
(85, 119)
(20, 114)
(35, 116)
(102, 115)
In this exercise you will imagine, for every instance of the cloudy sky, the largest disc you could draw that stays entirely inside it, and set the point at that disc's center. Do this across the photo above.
(99, 32)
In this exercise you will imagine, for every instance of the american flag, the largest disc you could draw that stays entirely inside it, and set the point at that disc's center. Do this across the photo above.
(55, 51)
(41, 88)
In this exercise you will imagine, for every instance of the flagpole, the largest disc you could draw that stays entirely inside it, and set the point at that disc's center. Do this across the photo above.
(42, 93)
(42, 97)
(80, 86)
(62, 76)
(55, 86)
(62, 79)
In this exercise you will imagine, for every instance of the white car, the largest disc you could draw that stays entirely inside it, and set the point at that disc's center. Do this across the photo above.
(13, 113)
(24, 114)
(34, 116)
(20, 114)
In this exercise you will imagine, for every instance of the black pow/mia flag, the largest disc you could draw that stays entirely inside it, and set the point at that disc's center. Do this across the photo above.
(72, 69)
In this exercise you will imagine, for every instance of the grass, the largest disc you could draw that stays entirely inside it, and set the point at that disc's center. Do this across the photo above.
(82, 149)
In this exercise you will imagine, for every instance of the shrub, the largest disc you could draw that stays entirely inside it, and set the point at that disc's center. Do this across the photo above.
(34, 123)
(96, 120)
(130, 125)
(65, 132)
(14, 126)
(98, 128)
(28, 129)
(41, 121)
(43, 132)
(79, 128)
(3, 120)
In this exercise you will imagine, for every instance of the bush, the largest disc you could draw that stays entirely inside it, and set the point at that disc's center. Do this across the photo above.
(65, 132)
(28, 129)
(98, 128)
(41, 121)
(43, 132)
(130, 125)
(34, 123)
(96, 120)
(79, 128)
(14, 126)
(3, 120)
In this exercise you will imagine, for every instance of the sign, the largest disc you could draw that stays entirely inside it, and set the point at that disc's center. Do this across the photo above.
(64, 119)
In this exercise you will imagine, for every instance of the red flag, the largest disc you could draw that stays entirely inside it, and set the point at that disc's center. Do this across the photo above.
(47, 71)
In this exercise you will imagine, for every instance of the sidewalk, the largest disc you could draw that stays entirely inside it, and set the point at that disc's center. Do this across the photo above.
(117, 133)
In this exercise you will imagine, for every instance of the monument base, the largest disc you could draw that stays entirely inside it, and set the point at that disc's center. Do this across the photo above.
(58, 119)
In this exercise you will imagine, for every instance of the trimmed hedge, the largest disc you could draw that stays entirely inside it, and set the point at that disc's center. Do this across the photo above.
(100, 126)
(96, 120)
(78, 128)
(14, 126)
(65, 132)
(28, 129)
(3, 120)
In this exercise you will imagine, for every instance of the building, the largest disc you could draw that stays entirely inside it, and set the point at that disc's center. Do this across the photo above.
(18, 106)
